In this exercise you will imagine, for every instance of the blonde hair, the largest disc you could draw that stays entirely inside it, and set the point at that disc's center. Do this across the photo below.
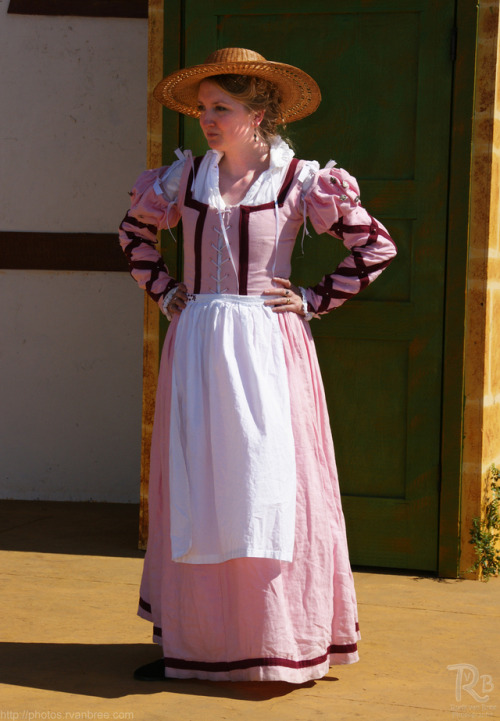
(255, 94)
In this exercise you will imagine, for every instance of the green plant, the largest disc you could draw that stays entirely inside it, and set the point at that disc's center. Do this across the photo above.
(485, 532)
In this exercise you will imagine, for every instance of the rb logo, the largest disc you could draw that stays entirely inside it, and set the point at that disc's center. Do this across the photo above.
(468, 678)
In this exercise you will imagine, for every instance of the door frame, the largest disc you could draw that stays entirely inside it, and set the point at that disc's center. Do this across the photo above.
(451, 535)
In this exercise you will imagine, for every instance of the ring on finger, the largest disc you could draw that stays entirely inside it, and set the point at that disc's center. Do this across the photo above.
(287, 292)
(288, 300)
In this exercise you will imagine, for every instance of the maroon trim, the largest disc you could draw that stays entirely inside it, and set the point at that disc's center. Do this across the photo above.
(131, 220)
(202, 209)
(144, 605)
(287, 181)
(324, 289)
(354, 272)
(198, 236)
(378, 266)
(188, 198)
(326, 293)
(221, 666)
(339, 228)
(363, 269)
(346, 648)
(156, 267)
(285, 187)
(244, 250)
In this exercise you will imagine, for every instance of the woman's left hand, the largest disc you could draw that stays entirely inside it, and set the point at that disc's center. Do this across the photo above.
(287, 297)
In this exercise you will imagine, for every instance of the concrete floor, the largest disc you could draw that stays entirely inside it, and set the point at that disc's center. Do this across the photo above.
(70, 638)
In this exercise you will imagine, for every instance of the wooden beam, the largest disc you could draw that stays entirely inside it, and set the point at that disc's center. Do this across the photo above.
(61, 251)
(85, 8)
(151, 347)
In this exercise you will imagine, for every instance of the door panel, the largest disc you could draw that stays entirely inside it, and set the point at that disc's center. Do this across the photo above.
(385, 73)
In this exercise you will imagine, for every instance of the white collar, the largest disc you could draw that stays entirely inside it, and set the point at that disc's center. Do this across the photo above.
(280, 155)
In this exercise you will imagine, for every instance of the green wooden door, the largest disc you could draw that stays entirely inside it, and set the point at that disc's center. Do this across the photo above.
(385, 72)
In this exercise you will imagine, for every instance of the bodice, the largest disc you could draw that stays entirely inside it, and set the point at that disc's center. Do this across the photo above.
(240, 249)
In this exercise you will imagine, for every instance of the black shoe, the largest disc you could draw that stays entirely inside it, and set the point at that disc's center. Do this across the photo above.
(154, 671)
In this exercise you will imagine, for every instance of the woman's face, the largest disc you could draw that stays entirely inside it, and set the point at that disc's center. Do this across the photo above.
(226, 123)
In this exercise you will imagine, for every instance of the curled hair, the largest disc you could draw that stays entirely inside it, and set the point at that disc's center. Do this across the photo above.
(255, 94)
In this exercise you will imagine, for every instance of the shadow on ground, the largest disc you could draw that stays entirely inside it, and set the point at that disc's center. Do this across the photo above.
(87, 529)
(105, 671)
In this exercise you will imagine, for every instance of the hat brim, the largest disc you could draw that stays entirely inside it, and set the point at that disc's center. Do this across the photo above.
(299, 93)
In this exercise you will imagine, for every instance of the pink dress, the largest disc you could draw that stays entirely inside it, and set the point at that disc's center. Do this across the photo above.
(254, 616)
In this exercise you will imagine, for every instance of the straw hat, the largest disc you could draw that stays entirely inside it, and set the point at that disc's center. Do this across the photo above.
(299, 93)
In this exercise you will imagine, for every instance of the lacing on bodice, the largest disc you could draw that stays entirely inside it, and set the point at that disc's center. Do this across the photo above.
(222, 243)
(219, 261)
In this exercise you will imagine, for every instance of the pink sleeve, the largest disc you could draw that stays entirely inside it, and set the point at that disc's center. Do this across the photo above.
(334, 207)
(149, 212)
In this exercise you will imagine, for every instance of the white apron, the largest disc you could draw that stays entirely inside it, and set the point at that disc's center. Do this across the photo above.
(231, 452)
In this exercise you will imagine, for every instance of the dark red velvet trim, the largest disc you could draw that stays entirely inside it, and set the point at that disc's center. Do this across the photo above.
(202, 209)
(244, 251)
(224, 666)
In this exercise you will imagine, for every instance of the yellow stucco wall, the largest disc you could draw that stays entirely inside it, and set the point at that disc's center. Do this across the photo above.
(482, 362)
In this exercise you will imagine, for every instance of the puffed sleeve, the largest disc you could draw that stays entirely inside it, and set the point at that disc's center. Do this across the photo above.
(153, 207)
(334, 207)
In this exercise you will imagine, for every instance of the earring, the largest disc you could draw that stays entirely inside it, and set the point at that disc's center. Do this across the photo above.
(255, 135)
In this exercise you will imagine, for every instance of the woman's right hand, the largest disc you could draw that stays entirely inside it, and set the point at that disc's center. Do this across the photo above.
(179, 300)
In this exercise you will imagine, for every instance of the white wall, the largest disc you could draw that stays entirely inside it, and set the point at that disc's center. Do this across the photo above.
(73, 129)
(73, 120)
(70, 420)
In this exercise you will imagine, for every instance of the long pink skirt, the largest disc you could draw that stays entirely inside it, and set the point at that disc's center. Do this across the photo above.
(257, 619)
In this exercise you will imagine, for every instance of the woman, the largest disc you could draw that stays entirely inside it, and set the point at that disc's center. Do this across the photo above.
(247, 574)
